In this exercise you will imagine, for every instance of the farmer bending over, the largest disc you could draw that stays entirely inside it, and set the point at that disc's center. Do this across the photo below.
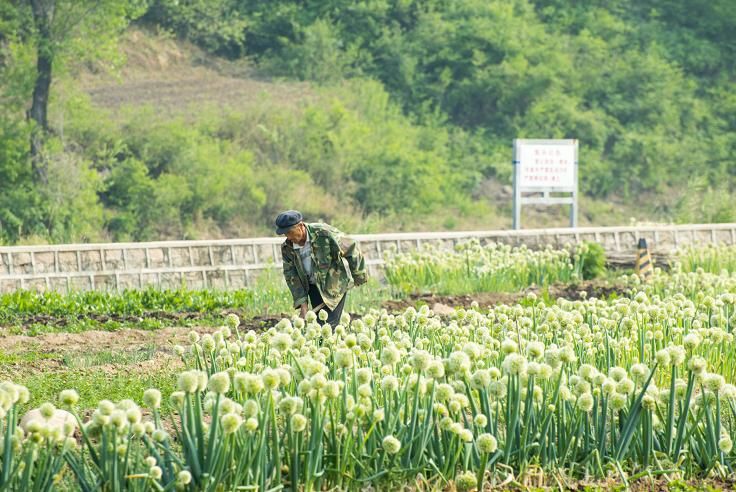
(320, 265)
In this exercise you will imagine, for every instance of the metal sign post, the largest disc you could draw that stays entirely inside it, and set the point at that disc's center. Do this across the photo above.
(542, 167)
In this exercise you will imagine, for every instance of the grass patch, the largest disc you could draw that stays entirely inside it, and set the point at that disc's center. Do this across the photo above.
(108, 357)
(94, 385)
(25, 357)
(96, 375)
(82, 324)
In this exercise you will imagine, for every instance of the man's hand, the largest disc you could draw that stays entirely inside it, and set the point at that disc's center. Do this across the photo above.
(303, 310)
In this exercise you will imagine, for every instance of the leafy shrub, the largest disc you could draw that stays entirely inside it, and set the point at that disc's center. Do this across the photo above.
(320, 55)
(590, 260)
(216, 25)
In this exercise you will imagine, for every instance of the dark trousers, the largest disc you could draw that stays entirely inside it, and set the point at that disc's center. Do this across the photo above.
(333, 316)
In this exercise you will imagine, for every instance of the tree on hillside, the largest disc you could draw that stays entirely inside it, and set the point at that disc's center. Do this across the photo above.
(60, 30)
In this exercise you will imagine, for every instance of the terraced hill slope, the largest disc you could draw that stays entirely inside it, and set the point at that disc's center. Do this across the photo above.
(172, 76)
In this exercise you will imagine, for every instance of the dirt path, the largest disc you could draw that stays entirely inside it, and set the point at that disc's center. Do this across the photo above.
(94, 340)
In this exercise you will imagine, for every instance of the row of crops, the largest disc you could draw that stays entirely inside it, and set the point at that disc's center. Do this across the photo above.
(138, 302)
(470, 267)
(641, 385)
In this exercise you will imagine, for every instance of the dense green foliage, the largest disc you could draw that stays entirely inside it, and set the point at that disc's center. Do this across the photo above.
(352, 151)
(590, 260)
(646, 86)
(416, 104)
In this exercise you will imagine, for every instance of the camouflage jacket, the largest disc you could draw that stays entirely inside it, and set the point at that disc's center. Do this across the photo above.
(337, 262)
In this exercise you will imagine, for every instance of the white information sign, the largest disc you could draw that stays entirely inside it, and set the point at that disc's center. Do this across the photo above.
(547, 166)
(543, 168)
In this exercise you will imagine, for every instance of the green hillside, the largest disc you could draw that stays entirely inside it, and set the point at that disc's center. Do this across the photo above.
(174, 119)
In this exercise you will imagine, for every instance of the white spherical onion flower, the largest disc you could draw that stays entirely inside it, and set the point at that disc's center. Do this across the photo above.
(725, 444)
(298, 422)
(487, 443)
(232, 320)
(391, 445)
(152, 398)
(69, 398)
(219, 383)
(466, 481)
(231, 422)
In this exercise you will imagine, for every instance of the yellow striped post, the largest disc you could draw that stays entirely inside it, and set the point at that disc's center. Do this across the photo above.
(643, 266)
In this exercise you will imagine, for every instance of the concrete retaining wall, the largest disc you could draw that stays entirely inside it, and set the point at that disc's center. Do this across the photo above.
(226, 264)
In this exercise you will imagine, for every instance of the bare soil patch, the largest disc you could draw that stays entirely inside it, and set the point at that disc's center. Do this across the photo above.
(573, 292)
(129, 339)
(646, 484)
(176, 89)
(170, 318)
(95, 340)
